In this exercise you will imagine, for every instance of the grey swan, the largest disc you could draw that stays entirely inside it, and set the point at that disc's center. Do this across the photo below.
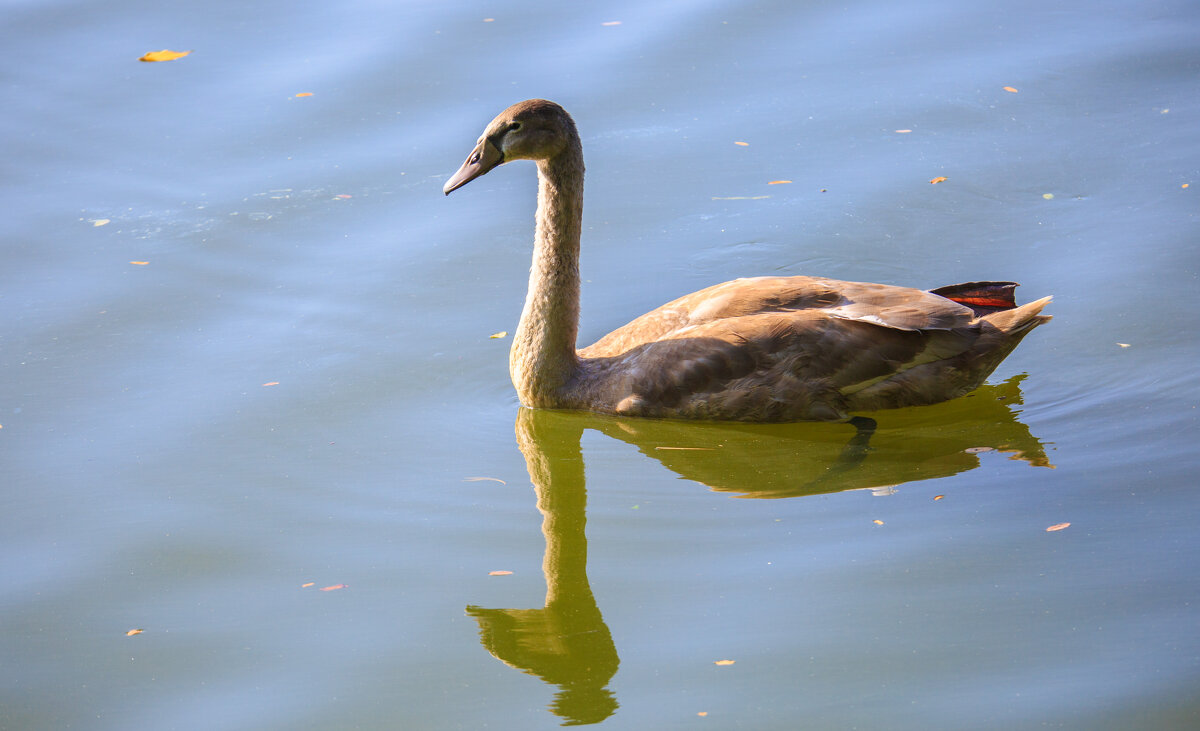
(763, 349)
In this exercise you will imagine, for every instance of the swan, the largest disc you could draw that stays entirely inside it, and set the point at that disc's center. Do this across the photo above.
(762, 349)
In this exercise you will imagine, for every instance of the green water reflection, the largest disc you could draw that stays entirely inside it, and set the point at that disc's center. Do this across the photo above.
(566, 642)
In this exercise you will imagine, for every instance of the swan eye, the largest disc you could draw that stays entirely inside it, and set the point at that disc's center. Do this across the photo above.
(514, 126)
(476, 157)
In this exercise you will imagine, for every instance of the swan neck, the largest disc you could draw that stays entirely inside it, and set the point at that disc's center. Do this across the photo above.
(543, 360)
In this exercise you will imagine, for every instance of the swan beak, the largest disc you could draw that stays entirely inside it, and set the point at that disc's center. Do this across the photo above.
(483, 158)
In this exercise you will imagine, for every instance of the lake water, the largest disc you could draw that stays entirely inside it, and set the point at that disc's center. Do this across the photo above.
(245, 360)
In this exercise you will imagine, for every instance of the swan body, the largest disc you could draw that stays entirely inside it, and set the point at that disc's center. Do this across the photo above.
(759, 349)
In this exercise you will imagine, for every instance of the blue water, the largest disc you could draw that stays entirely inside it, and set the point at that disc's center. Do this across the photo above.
(154, 481)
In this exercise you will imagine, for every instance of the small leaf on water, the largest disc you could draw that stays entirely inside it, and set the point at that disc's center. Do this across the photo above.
(938, 497)
(1184, 185)
(163, 55)
(497, 336)
(742, 144)
(938, 179)
(103, 221)
(1048, 196)
(1010, 90)
(139, 263)
(481, 479)
(335, 587)
(1123, 345)
(778, 182)
(1057, 526)
(489, 20)
(611, 22)
(702, 713)
(903, 131)
(724, 662)
(305, 93)
(343, 196)
(271, 383)
(499, 573)
(305, 586)
(877, 522)
(133, 632)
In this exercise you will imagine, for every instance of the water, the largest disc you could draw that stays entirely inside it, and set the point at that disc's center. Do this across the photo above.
(154, 481)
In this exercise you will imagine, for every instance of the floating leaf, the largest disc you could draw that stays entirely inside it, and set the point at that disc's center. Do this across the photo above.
(724, 662)
(702, 713)
(1048, 196)
(496, 336)
(877, 521)
(489, 20)
(499, 573)
(742, 144)
(335, 587)
(133, 632)
(305, 93)
(611, 22)
(903, 131)
(164, 55)
(139, 263)
(343, 196)
(271, 383)
(688, 449)
(778, 182)
(938, 497)
(1010, 90)
(1123, 345)
(481, 479)
(1182, 186)
(105, 221)
(938, 179)
(1057, 526)
(305, 586)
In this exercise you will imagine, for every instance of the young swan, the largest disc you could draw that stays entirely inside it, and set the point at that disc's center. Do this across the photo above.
(759, 349)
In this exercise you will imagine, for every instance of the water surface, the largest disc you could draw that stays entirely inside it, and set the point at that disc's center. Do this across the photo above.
(155, 481)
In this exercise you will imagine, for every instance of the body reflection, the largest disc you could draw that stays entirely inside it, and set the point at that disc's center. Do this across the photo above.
(567, 643)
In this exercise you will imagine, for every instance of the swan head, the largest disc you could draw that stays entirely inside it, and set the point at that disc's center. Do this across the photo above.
(535, 129)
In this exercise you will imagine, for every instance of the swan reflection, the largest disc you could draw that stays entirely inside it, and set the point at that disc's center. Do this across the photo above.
(566, 641)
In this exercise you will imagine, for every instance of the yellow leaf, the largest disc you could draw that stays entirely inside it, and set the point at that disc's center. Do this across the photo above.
(1057, 526)
(335, 587)
(938, 497)
(133, 632)
(305, 93)
(1182, 186)
(501, 334)
(499, 573)
(1123, 345)
(271, 383)
(742, 144)
(724, 662)
(702, 713)
(938, 179)
(877, 522)
(164, 55)
(140, 263)
(1048, 196)
(779, 182)
(1010, 89)
(305, 586)
(104, 221)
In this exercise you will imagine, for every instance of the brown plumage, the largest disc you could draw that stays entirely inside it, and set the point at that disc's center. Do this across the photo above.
(761, 349)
